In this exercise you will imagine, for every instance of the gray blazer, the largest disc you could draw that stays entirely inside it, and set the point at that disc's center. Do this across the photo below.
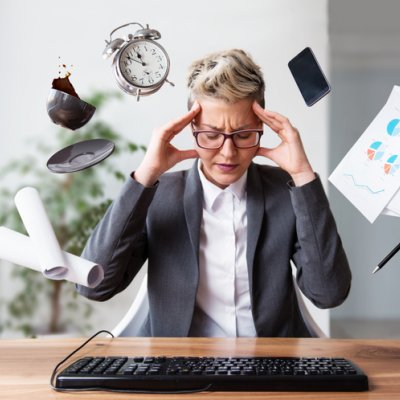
(161, 224)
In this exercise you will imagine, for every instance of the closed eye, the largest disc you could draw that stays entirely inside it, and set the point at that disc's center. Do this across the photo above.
(244, 135)
(211, 135)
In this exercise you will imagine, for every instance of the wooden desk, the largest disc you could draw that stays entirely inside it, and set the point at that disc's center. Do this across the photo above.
(26, 365)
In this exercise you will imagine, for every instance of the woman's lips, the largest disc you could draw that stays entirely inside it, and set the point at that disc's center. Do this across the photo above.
(227, 167)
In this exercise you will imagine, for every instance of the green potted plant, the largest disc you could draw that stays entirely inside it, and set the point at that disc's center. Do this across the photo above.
(75, 203)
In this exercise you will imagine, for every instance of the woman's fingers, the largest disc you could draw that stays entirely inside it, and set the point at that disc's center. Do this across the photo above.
(174, 127)
(267, 117)
(263, 151)
(187, 154)
(273, 124)
(263, 113)
(277, 122)
(269, 114)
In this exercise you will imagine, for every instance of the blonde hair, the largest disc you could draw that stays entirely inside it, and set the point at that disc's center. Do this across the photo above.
(229, 75)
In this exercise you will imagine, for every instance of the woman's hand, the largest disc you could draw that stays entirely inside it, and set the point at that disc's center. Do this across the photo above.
(161, 155)
(289, 154)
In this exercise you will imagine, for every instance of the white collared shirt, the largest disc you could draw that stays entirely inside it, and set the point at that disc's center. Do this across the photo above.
(223, 306)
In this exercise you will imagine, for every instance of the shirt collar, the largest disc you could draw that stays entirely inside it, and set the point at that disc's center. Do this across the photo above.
(211, 191)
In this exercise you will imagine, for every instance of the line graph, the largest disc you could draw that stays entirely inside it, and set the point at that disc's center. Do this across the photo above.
(361, 186)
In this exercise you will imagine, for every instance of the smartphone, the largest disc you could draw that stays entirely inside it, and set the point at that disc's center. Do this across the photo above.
(309, 77)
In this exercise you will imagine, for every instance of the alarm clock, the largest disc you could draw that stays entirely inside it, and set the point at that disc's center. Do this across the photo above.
(140, 65)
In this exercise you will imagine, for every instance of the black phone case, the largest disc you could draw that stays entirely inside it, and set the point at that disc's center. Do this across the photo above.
(309, 76)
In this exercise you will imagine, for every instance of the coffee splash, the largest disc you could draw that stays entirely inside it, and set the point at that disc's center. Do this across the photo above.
(63, 83)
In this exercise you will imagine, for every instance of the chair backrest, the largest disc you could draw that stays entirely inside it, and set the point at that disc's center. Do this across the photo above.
(138, 311)
(136, 315)
(311, 314)
(306, 310)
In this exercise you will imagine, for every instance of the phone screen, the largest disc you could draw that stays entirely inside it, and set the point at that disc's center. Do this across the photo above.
(309, 77)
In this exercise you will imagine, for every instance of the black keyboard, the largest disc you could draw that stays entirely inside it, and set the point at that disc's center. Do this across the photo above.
(163, 374)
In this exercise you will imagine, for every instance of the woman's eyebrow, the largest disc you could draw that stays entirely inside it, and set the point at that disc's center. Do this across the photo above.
(216, 128)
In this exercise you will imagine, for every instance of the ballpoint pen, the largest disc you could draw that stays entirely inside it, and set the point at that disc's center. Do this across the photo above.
(387, 258)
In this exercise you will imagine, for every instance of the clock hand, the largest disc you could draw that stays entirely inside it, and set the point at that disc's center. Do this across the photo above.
(140, 57)
(132, 59)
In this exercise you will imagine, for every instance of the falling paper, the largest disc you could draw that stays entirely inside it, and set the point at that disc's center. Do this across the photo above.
(38, 226)
(369, 174)
(20, 249)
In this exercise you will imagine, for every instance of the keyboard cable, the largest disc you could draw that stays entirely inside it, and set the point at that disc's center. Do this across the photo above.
(54, 373)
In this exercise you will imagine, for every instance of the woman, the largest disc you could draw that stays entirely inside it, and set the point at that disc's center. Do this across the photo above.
(219, 237)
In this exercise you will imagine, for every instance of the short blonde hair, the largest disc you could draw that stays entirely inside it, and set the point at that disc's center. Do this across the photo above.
(230, 75)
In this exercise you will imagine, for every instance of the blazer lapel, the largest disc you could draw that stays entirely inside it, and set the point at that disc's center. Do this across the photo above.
(193, 207)
(255, 211)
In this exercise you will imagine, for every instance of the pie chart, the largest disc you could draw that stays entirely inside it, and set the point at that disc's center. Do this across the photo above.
(375, 151)
(393, 127)
(392, 164)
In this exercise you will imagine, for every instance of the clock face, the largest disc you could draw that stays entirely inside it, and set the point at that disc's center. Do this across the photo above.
(144, 63)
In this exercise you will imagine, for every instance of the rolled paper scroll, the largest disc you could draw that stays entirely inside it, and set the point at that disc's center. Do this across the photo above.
(20, 249)
(39, 228)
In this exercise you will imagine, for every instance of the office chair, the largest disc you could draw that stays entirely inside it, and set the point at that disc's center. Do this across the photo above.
(136, 314)
(138, 311)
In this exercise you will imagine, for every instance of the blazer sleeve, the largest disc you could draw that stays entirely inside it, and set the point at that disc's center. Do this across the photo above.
(119, 241)
(323, 272)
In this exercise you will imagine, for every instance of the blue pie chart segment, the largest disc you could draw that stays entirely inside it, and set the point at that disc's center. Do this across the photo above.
(393, 127)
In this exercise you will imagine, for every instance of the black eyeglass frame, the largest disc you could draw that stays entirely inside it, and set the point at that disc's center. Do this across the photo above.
(231, 136)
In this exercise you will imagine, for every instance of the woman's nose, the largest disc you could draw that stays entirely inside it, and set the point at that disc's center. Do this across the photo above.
(228, 148)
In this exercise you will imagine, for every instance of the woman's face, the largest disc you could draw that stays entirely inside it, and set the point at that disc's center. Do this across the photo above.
(227, 164)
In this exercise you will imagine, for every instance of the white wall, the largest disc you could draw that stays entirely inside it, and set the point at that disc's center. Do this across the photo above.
(33, 35)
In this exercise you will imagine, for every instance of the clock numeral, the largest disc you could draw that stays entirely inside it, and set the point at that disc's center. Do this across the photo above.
(158, 75)
(151, 80)
(141, 80)
(159, 58)
(161, 66)
(153, 51)
(129, 62)
(128, 71)
(145, 47)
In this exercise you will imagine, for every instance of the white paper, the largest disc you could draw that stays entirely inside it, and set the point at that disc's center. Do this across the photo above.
(369, 174)
(40, 230)
(394, 203)
(20, 249)
(390, 213)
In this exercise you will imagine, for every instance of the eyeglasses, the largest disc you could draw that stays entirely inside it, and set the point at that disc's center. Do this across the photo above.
(243, 139)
